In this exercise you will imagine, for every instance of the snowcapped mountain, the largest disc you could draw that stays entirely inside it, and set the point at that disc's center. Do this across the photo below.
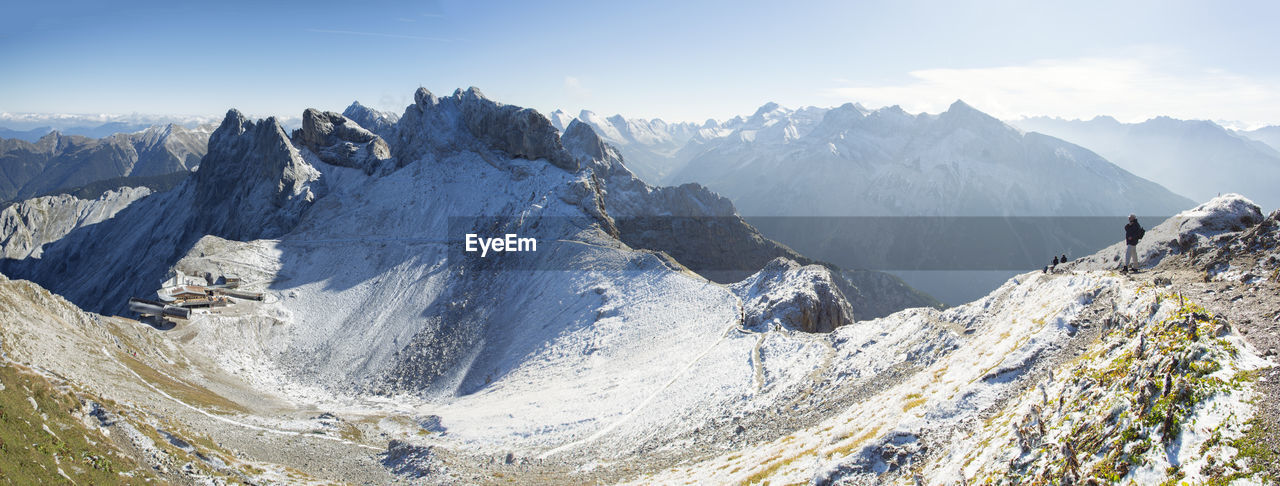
(362, 249)
(381, 123)
(850, 162)
(32, 126)
(886, 189)
(652, 147)
(649, 336)
(1194, 158)
(60, 162)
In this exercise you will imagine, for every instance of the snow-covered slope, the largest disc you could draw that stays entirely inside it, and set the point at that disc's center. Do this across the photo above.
(628, 370)
(1195, 158)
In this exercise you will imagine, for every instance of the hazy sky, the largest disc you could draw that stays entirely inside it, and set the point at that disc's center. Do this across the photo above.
(681, 60)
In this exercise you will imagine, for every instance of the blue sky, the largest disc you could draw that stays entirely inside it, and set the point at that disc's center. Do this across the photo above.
(676, 60)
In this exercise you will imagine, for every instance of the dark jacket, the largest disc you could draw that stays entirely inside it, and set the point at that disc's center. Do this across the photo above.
(1133, 232)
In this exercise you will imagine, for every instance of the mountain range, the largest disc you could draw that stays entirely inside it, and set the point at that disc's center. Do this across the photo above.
(1195, 158)
(887, 189)
(32, 126)
(650, 336)
(57, 162)
(1269, 135)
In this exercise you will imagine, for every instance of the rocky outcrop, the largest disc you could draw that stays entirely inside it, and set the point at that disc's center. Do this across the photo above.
(341, 142)
(1191, 232)
(27, 226)
(469, 121)
(787, 295)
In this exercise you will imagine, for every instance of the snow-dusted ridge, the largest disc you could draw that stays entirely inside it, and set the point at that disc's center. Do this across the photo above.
(609, 356)
(665, 377)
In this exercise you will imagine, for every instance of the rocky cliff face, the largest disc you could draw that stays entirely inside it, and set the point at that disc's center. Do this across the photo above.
(26, 226)
(467, 121)
(57, 162)
(253, 183)
(341, 142)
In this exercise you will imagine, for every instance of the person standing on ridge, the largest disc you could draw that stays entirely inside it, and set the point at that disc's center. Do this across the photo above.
(1132, 233)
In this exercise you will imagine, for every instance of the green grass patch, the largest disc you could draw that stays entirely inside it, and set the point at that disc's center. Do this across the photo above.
(31, 455)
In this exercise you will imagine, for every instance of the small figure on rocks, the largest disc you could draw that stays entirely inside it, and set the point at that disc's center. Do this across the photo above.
(1054, 266)
(1132, 233)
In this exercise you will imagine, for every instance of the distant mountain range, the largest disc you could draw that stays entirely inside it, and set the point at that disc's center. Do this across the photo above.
(849, 161)
(652, 147)
(811, 177)
(1194, 158)
(32, 126)
(57, 162)
(1269, 135)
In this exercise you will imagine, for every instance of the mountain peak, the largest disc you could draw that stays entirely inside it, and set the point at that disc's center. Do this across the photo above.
(963, 111)
(234, 120)
(471, 93)
(765, 108)
(580, 139)
(343, 142)
(423, 98)
(960, 106)
(433, 126)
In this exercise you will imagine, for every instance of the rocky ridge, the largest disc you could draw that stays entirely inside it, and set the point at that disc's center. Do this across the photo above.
(334, 140)
(56, 162)
(27, 226)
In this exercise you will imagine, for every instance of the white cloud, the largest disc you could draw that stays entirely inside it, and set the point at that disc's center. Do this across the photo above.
(1130, 89)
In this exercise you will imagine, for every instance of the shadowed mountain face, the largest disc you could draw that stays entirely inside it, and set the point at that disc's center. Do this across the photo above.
(59, 162)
